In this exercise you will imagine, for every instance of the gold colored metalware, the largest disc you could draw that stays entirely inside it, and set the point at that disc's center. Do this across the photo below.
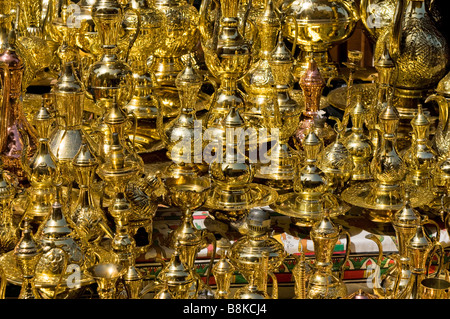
(321, 24)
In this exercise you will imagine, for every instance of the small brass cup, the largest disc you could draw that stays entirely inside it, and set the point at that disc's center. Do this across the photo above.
(435, 288)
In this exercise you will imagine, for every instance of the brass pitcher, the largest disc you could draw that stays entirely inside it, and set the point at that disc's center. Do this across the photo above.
(27, 253)
(246, 252)
(323, 284)
(399, 278)
(42, 170)
(223, 270)
(420, 249)
(420, 158)
(441, 139)
(257, 286)
(429, 49)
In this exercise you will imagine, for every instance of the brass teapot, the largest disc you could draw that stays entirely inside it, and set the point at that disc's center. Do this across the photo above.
(323, 284)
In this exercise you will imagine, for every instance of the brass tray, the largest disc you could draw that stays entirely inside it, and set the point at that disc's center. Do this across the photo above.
(338, 97)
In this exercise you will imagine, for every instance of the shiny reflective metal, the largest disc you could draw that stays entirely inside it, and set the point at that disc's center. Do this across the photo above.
(398, 279)
(189, 193)
(233, 192)
(8, 229)
(42, 170)
(27, 253)
(68, 95)
(430, 51)
(223, 270)
(280, 172)
(14, 123)
(335, 160)
(312, 190)
(388, 168)
(124, 246)
(321, 24)
(106, 276)
(257, 286)
(86, 213)
(142, 26)
(110, 76)
(248, 252)
(228, 57)
(358, 143)
(180, 36)
(182, 136)
(323, 284)
(441, 139)
(61, 248)
(259, 82)
(420, 158)
(312, 84)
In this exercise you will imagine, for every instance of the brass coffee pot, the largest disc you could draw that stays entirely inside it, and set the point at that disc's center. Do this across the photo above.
(441, 139)
(143, 194)
(182, 136)
(385, 67)
(420, 249)
(109, 77)
(140, 16)
(177, 278)
(68, 99)
(335, 160)
(358, 144)
(257, 286)
(223, 270)
(311, 188)
(106, 276)
(420, 158)
(413, 80)
(189, 193)
(42, 170)
(27, 253)
(233, 192)
(248, 251)
(86, 214)
(382, 197)
(124, 245)
(398, 277)
(61, 247)
(323, 284)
